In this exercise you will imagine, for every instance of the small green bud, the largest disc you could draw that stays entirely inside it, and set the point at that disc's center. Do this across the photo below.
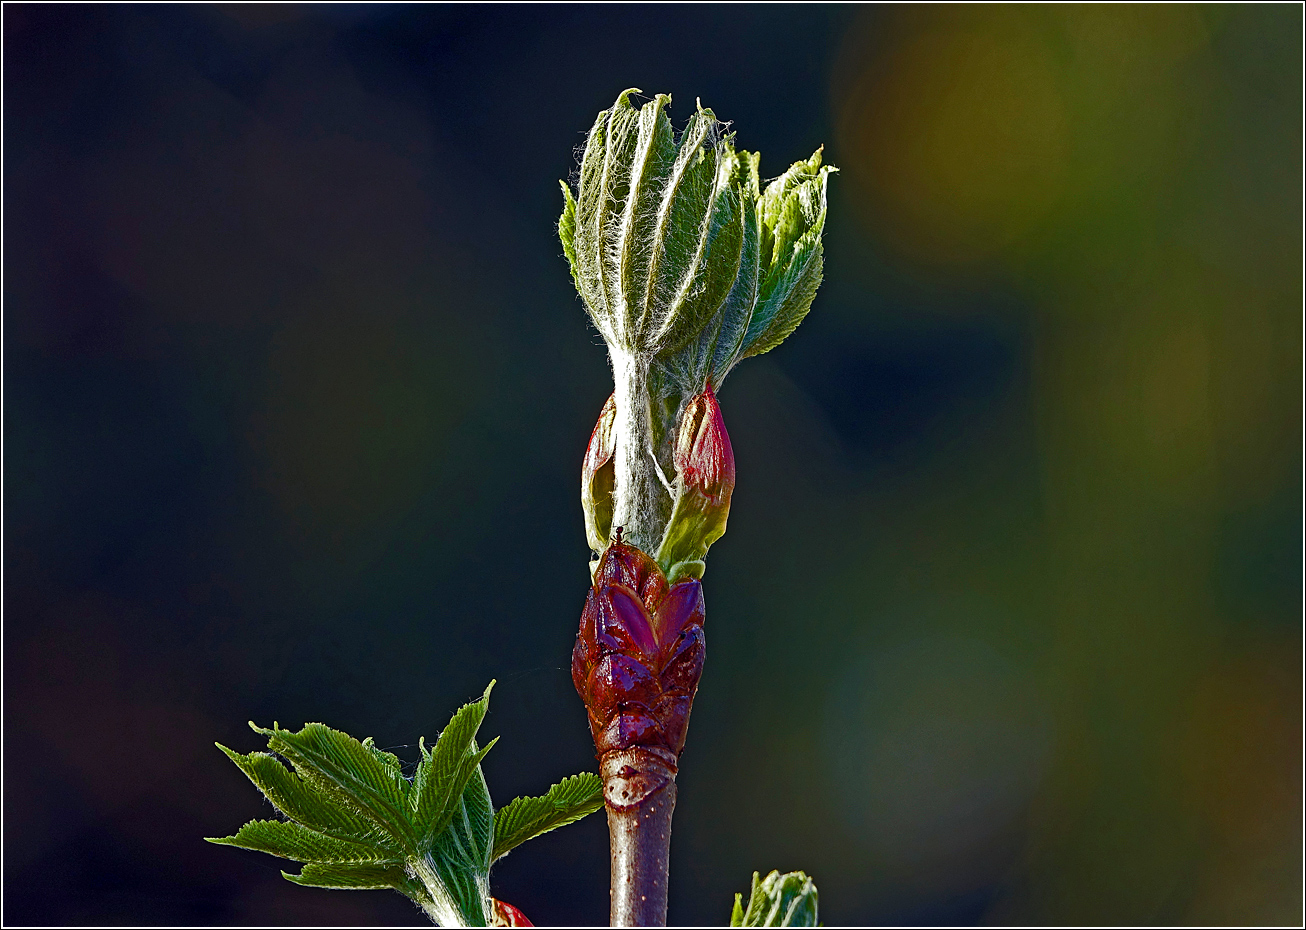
(705, 479)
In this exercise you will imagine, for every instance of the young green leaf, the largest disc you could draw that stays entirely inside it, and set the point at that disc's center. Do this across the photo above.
(444, 772)
(352, 774)
(292, 841)
(787, 900)
(654, 155)
(356, 822)
(295, 798)
(460, 857)
(526, 818)
(470, 834)
(792, 214)
(357, 876)
(709, 271)
(567, 228)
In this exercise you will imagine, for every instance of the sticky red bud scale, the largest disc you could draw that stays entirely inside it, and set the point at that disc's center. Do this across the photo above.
(639, 653)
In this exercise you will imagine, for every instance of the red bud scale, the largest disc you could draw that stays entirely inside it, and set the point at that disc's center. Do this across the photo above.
(639, 653)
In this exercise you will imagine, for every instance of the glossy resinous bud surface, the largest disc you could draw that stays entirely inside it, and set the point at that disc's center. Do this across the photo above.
(639, 654)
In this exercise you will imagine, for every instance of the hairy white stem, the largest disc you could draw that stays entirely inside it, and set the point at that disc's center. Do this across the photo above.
(641, 502)
(439, 906)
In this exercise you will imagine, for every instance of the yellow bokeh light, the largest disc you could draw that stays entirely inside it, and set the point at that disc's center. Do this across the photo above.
(957, 144)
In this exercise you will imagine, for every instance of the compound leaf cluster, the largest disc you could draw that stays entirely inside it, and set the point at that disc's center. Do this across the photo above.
(356, 821)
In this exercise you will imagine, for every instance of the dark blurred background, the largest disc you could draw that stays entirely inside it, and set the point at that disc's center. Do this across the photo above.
(1006, 628)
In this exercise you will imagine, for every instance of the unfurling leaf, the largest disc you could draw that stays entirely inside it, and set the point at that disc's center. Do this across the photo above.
(787, 900)
(675, 249)
(356, 876)
(655, 231)
(792, 213)
(567, 228)
(445, 770)
(297, 799)
(686, 265)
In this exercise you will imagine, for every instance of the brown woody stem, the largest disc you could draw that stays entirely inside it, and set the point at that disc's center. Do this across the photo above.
(639, 789)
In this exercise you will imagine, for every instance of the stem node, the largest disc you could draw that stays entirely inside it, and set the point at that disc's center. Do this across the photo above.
(639, 788)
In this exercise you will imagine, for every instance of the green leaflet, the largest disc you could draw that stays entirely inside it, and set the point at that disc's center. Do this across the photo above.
(622, 139)
(356, 822)
(589, 193)
(291, 795)
(356, 876)
(788, 900)
(737, 310)
(717, 345)
(702, 245)
(792, 215)
(354, 775)
(674, 239)
(526, 818)
(567, 229)
(290, 840)
(445, 770)
(655, 156)
(792, 297)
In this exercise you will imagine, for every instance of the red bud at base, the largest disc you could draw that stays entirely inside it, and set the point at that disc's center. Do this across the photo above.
(639, 653)
(505, 915)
